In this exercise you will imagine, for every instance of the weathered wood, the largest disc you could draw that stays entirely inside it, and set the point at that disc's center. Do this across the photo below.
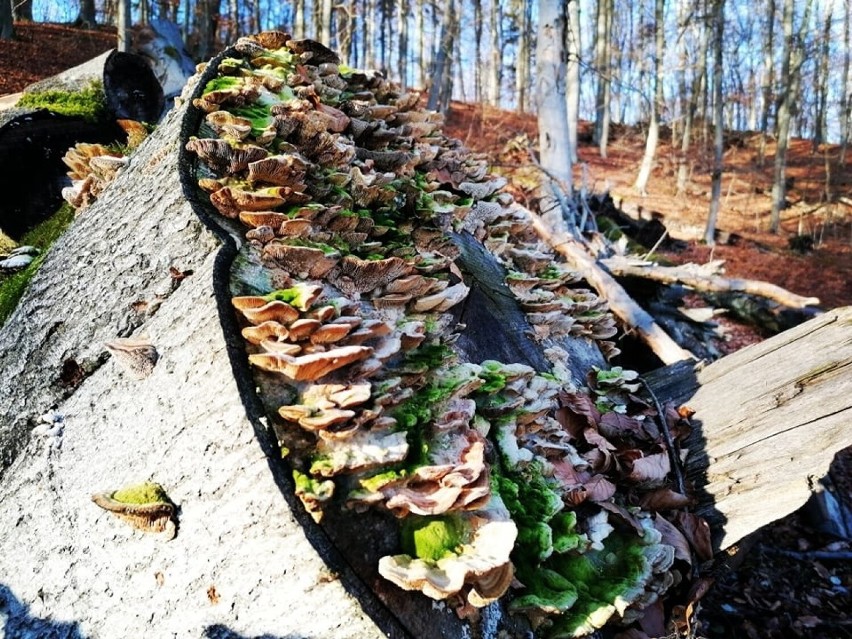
(620, 303)
(691, 275)
(768, 421)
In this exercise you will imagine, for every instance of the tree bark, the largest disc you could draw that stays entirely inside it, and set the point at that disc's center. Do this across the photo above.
(7, 28)
(299, 19)
(86, 16)
(790, 79)
(496, 69)
(522, 71)
(439, 98)
(821, 80)
(845, 105)
(123, 25)
(648, 159)
(603, 70)
(554, 145)
(768, 80)
(572, 92)
(718, 108)
(768, 421)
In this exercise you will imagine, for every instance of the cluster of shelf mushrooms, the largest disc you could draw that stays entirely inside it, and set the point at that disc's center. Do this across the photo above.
(348, 194)
(93, 166)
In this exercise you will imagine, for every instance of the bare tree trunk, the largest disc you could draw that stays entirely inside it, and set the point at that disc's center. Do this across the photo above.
(683, 169)
(573, 75)
(821, 80)
(477, 67)
(768, 81)
(299, 19)
(438, 98)
(496, 76)
(7, 27)
(718, 107)
(603, 42)
(522, 72)
(345, 23)
(553, 141)
(421, 43)
(790, 78)
(325, 22)
(123, 25)
(402, 62)
(845, 104)
(641, 183)
(86, 16)
(369, 31)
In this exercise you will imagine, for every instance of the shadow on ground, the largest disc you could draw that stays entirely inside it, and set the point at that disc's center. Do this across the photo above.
(18, 622)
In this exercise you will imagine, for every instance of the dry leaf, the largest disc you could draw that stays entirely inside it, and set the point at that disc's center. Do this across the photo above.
(653, 623)
(674, 538)
(697, 531)
(664, 499)
(618, 425)
(653, 468)
(599, 488)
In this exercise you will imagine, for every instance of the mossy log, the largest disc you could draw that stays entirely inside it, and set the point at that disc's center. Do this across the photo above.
(33, 140)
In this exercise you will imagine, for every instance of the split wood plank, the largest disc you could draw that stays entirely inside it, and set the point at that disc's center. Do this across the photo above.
(768, 421)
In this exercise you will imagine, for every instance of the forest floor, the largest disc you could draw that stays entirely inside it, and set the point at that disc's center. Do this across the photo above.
(780, 591)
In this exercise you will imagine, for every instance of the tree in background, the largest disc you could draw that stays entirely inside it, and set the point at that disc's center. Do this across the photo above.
(573, 75)
(718, 112)
(7, 30)
(657, 101)
(791, 66)
(553, 141)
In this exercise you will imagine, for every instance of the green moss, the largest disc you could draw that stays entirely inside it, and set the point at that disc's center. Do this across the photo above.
(307, 485)
(88, 103)
(223, 83)
(12, 287)
(147, 493)
(375, 482)
(297, 296)
(546, 590)
(564, 530)
(432, 538)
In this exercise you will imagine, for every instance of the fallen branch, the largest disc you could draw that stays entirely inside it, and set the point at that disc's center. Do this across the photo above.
(626, 267)
(620, 303)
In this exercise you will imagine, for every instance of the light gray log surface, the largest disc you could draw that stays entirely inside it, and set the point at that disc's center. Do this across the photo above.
(769, 419)
(241, 565)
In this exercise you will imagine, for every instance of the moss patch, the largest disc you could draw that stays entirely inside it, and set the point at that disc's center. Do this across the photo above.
(431, 538)
(12, 287)
(88, 103)
(147, 493)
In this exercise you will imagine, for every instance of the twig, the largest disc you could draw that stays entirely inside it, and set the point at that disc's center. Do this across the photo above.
(656, 245)
(674, 457)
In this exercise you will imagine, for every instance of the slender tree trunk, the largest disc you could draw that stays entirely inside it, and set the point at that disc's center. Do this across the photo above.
(477, 67)
(345, 23)
(821, 80)
(421, 43)
(443, 60)
(522, 72)
(325, 22)
(641, 183)
(718, 107)
(603, 39)
(86, 16)
(402, 62)
(553, 141)
(299, 19)
(683, 168)
(7, 27)
(123, 25)
(768, 81)
(573, 75)
(369, 31)
(845, 104)
(496, 75)
(790, 78)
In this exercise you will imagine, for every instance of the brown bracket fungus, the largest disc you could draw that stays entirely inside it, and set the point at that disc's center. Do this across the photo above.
(136, 355)
(145, 507)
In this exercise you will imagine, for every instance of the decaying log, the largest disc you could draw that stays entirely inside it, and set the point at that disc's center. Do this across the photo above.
(33, 141)
(620, 303)
(693, 276)
(768, 421)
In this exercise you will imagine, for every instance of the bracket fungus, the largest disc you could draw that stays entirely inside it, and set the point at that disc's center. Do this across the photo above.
(503, 482)
(145, 507)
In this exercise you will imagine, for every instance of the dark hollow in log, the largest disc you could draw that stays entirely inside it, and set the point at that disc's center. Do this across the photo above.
(32, 142)
(31, 148)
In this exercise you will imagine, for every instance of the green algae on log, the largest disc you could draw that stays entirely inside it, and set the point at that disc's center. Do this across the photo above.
(418, 379)
(144, 506)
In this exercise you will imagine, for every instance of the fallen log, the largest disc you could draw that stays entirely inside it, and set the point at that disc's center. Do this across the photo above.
(33, 140)
(692, 276)
(768, 421)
